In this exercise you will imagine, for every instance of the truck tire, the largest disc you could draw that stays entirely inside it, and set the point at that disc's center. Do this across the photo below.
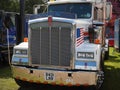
(22, 83)
(101, 75)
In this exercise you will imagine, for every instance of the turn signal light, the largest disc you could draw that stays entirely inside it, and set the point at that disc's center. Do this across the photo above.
(25, 39)
(97, 41)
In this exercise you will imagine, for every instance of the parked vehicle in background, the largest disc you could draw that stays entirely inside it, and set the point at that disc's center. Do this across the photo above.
(117, 35)
(7, 35)
(110, 25)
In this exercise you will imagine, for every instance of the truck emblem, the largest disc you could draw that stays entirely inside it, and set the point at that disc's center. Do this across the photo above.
(49, 20)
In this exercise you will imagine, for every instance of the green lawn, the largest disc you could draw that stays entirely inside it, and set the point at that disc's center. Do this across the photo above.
(112, 75)
(6, 80)
(112, 71)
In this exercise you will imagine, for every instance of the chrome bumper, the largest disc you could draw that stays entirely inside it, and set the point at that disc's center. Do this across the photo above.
(55, 77)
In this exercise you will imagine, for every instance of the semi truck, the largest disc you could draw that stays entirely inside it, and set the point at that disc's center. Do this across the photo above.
(9, 25)
(66, 45)
(7, 35)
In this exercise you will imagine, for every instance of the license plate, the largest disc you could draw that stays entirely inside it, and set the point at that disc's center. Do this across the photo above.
(49, 76)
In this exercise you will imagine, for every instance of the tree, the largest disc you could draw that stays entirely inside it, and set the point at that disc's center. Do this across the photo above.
(14, 6)
(9, 5)
(29, 5)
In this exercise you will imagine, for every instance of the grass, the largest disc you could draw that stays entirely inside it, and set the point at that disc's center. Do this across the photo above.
(112, 75)
(6, 80)
(112, 71)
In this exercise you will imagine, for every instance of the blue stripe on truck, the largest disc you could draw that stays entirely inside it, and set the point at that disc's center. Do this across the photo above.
(82, 63)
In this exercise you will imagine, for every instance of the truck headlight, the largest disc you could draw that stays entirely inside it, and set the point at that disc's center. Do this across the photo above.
(85, 55)
(17, 51)
(23, 52)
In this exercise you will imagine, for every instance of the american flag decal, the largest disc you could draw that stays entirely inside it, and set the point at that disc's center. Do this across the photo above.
(79, 36)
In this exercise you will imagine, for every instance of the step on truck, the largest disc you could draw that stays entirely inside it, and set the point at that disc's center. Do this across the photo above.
(66, 45)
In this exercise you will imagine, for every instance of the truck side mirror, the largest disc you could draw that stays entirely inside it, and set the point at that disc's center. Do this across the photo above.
(91, 34)
(108, 10)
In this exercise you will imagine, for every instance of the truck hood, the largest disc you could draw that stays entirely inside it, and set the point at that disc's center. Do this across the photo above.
(88, 47)
(78, 22)
(23, 45)
(83, 23)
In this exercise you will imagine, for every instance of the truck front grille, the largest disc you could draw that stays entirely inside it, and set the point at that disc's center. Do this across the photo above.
(50, 45)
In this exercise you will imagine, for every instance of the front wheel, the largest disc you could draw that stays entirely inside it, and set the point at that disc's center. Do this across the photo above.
(100, 76)
(99, 82)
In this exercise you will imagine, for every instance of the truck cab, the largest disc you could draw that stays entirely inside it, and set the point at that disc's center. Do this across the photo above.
(66, 45)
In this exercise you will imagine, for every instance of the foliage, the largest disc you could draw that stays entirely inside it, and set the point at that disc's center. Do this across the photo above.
(9, 5)
(29, 5)
(112, 71)
(14, 6)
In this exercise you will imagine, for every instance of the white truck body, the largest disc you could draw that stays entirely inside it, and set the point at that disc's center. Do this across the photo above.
(59, 50)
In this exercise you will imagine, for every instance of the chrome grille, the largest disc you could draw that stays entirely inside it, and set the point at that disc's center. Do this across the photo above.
(50, 45)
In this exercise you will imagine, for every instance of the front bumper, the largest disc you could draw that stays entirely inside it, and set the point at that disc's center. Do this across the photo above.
(55, 77)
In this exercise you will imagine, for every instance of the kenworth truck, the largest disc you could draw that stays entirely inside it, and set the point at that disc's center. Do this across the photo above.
(66, 45)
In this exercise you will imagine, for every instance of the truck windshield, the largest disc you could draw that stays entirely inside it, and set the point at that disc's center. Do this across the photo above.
(82, 10)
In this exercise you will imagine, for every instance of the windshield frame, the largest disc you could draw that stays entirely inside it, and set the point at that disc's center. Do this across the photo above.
(89, 15)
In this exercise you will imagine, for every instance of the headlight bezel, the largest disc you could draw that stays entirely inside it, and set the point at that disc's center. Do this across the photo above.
(17, 51)
(85, 55)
